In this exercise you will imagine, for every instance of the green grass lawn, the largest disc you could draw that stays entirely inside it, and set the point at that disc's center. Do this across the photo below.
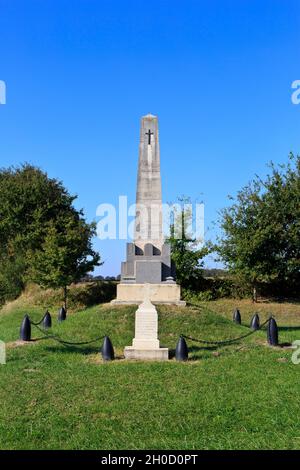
(243, 396)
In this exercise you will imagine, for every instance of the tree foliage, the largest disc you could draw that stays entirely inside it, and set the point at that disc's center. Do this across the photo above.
(185, 252)
(43, 237)
(261, 241)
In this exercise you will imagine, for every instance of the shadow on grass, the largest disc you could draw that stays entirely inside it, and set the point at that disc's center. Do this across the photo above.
(36, 340)
(67, 348)
(195, 350)
(278, 300)
(94, 293)
(289, 328)
(74, 349)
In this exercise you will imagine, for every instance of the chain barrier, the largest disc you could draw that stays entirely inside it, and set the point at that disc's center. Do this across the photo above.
(61, 341)
(226, 341)
(39, 322)
(83, 343)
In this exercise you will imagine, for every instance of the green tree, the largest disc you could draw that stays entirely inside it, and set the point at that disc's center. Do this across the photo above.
(11, 283)
(185, 254)
(65, 256)
(261, 241)
(37, 213)
(29, 200)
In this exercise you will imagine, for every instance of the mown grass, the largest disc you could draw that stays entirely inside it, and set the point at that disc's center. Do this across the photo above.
(243, 396)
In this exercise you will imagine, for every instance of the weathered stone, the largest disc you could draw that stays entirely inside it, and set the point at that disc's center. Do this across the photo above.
(145, 345)
(149, 254)
(165, 293)
(148, 225)
(148, 258)
(148, 271)
(161, 354)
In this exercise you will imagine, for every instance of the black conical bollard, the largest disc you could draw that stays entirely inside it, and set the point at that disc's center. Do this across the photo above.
(255, 324)
(47, 321)
(62, 314)
(237, 316)
(272, 332)
(25, 330)
(107, 350)
(182, 352)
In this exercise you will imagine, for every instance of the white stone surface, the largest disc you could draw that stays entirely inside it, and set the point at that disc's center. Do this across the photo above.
(148, 223)
(161, 354)
(146, 327)
(145, 345)
(163, 293)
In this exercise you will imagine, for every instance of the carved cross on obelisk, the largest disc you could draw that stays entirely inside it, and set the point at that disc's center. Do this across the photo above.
(149, 134)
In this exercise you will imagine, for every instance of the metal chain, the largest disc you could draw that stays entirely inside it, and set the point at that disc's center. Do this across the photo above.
(39, 322)
(67, 343)
(227, 341)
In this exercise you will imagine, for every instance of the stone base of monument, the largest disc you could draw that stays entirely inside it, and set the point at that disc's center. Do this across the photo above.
(160, 354)
(163, 293)
(145, 345)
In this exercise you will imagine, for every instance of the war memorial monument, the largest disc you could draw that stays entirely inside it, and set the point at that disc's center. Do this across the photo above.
(148, 257)
(148, 275)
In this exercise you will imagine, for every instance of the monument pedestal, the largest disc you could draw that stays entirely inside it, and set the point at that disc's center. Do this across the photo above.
(160, 354)
(145, 345)
(163, 293)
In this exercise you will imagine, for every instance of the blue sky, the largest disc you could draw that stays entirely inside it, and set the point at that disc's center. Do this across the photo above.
(81, 73)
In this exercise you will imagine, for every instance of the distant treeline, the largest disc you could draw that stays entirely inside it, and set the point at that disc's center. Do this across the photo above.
(91, 278)
(207, 273)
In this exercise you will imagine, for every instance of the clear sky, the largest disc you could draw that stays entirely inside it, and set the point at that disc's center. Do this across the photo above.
(80, 74)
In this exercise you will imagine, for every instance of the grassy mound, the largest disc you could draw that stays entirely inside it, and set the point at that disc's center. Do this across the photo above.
(243, 396)
(80, 295)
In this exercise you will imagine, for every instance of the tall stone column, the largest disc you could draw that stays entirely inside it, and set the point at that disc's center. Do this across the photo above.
(148, 258)
(148, 223)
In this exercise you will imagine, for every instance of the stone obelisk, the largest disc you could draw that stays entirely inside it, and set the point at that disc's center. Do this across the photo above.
(148, 223)
(148, 259)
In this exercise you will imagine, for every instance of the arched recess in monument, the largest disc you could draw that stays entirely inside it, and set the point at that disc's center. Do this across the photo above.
(138, 251)
(156, 251)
